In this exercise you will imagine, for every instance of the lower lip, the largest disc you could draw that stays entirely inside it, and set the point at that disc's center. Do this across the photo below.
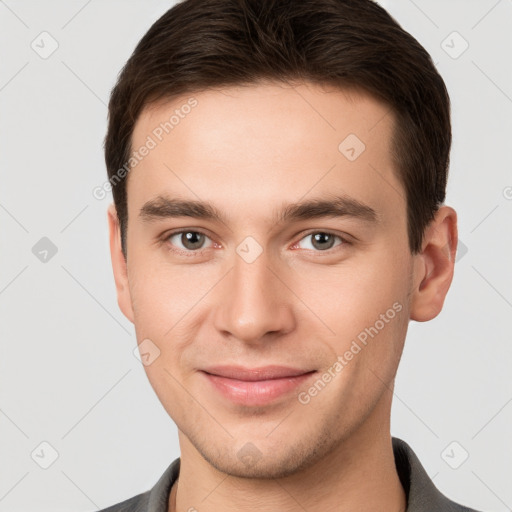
(255, 393)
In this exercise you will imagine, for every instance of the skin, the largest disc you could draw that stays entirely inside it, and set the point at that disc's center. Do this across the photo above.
(249, 151)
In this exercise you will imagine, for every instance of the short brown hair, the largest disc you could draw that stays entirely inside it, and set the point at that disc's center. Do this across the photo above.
(202, 44)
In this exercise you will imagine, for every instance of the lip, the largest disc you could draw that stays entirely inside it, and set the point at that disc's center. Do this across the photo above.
(255, 386)
(254, 374)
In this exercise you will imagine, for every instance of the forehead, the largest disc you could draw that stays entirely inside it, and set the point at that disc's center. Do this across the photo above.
(267, 142)
(315, 109)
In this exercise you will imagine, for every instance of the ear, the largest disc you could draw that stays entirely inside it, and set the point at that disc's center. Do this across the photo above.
(119, 264)
(434, 266)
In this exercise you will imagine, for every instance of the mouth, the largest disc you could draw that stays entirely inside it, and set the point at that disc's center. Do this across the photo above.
(255, 386)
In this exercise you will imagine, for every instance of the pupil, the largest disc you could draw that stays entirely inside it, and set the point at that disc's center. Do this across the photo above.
(192, 240)
(321, 238)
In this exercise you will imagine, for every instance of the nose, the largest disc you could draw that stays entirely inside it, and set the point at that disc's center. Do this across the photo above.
(253, 303)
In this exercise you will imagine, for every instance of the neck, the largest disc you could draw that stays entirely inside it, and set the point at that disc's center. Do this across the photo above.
(359, 474)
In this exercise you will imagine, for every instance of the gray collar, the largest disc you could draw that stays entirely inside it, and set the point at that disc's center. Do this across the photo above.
(422, 494)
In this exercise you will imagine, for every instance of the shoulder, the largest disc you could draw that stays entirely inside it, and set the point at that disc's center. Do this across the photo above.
(137, 503)
(153, 500)
(422, 494)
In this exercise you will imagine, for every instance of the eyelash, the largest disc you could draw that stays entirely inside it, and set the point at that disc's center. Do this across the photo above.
(190, 252)
(344, 241)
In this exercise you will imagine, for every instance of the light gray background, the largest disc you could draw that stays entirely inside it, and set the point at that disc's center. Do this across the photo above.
(67, 369)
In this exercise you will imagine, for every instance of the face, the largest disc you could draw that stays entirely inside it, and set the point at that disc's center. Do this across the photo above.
(267, 227)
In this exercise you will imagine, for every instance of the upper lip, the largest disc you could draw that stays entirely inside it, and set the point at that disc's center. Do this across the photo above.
(255, 374)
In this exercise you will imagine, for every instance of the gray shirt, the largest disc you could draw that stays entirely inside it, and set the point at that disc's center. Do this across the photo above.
(422, 495)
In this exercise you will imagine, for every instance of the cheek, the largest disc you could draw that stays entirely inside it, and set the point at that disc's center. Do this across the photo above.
(366, 307)
(169, 302)
(158, 291)
(356, 292)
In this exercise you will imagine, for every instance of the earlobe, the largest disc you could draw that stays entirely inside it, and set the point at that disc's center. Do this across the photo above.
(434, 266)
(119, 264)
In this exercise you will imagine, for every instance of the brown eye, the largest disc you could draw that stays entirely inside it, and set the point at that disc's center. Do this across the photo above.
(188, 240)
(321, 241)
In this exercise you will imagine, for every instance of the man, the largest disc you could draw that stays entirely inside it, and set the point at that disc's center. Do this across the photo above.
(243, 135)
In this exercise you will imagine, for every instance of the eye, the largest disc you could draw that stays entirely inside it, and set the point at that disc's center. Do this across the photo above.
(188, 241)
(320, 241)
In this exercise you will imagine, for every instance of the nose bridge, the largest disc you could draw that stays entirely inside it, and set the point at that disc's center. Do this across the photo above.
(254, 301)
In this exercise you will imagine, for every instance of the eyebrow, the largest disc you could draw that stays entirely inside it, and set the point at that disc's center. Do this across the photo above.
(163, 207)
